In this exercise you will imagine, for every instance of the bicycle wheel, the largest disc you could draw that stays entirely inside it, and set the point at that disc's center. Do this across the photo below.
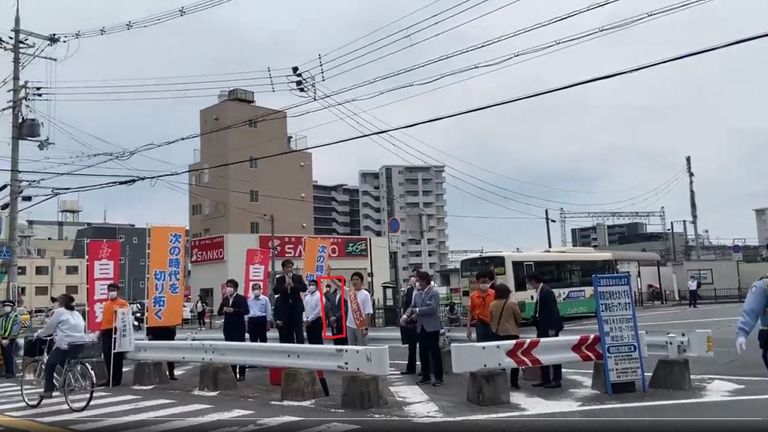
(77, 385)
(32, 383)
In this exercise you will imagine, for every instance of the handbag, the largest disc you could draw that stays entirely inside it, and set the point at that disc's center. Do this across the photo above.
(501, 314)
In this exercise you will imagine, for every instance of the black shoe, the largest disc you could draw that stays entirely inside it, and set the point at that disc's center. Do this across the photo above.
(173, 378)
(424, 381)
(553, 385)
(541, 384)
(240, 379)
(514, 386)
(438, 383)
(407, 372)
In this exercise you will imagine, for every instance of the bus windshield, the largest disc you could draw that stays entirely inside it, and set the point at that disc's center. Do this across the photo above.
(470, 266)
(562, 274)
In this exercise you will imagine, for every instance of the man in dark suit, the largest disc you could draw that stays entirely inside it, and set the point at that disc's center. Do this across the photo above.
(549, 323)
(408, 332)
(234, 308)
(334, 304)
(289, 313)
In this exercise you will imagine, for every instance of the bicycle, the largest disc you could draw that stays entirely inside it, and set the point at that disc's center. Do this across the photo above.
(76, 382)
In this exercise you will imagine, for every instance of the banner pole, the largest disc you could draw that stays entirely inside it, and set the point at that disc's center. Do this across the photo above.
(112, 351)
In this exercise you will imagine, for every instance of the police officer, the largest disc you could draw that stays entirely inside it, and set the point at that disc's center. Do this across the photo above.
(755, 308)
(10, 327)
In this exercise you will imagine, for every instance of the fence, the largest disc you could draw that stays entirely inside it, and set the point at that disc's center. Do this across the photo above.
(717, 294)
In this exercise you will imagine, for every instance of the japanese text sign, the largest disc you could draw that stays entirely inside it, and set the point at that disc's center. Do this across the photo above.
(617, 322)
(316, 257)
(124, 340)
(166, 273)
(103, 268)
(256, 270)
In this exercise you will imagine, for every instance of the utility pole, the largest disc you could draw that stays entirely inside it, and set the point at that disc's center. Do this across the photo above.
(13, 212)
(549, 233)
(694, 212)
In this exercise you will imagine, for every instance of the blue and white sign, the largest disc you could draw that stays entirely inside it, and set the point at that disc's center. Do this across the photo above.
(617, 323)
(5, 252)
(393, 225)
(737, 253)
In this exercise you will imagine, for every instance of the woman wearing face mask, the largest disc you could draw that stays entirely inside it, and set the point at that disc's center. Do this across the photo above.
(107, 331)
(68, 326)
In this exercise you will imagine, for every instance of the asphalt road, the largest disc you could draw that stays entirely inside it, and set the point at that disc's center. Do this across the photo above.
(727, 387)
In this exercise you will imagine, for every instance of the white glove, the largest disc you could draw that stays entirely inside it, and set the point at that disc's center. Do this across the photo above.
(741, 344)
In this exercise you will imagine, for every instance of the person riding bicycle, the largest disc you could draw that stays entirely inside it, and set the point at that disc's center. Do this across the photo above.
(66, 326)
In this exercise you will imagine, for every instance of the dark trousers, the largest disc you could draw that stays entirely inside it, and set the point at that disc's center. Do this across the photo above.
(201, 319)
(409, 336)
(315, 332)
(484, 332)
(57, 357)
(292, 332)
(9, 358)
(236, 335)
(337, 330)
(429, 354)
(693, 297)
(514, 373)
(164, 334)
(765, 358)
(257, 329)
(115, 366)
(547, 374)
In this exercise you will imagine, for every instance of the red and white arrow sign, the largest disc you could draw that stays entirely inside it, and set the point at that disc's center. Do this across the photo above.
(522, 352)
(588, 348)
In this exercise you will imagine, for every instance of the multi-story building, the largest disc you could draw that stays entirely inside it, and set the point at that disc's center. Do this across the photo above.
(416, 195)
(584, 237)
(761, 219)
(42, 278)
(232, 191)
(337, 210)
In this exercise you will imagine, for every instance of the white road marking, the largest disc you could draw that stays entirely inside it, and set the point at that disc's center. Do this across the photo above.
(418, 403)
(56, 400)
(35, 411)
(191, 422)
(331, 427)
(178, 409)
(723, 377)
(261, 424)
(106, 410)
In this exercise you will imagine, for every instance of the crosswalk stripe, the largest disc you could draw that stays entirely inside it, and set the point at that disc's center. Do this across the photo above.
(7, 384)
(35, 411)
(147, 415)
(261, 424)
(191, 422)
(7, 391)
(331, 427)
(105, 410)
(59, 399)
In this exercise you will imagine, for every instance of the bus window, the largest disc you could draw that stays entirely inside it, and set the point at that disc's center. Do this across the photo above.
(470, 267)
(518, 271)
(529, 268)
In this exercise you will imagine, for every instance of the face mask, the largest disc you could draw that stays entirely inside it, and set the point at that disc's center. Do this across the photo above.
(7, 309)
(312, 288)
(256, 294)
(485, 286)
(230, 291)
(413, 281)
(112, 295)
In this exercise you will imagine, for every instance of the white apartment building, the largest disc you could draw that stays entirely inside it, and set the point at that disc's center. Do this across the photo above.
(43, 278)
(416, 195)
(761, 219)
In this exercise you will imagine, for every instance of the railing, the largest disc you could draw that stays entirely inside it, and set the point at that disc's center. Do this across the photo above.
(717, 294)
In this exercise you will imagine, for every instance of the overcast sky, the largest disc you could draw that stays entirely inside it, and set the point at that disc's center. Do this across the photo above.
(612, 143)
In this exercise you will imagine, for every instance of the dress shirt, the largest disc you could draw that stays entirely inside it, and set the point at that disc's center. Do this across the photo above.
(258, 307)
(311, 306)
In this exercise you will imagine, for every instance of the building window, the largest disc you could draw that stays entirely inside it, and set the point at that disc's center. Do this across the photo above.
(254, 227)
(41, 270)
(21, 270)
(141, 284)
(121, 283)
(135, 240)
(254, 196)
(253, 163)
(72, 290)
(197, 209)
(41, 291)
(122, 260)
(206, 231)
(142, 262)
(253, 124)
(73, 270)
(67, 252)
(121, 237)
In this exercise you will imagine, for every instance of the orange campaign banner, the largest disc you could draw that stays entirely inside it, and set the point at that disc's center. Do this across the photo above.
(315, 257)
(166, 274)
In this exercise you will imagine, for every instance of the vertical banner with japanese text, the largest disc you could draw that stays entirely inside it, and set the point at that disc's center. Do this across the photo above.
(256, 270)
(315, 257)
(103, 268)
(166, 274)
(124, 336)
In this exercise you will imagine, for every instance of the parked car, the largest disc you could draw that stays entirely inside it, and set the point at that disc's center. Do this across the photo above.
(24, 315)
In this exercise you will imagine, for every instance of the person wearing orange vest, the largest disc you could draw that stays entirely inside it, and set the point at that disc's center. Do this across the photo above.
(107, 331)
(480, 307)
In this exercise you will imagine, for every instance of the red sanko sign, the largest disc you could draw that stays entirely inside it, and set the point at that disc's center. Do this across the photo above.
(103, 260)
(293, 246)
(206, 250)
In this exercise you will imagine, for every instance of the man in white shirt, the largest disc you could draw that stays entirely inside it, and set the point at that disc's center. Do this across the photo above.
(259, 315)
(360, 311)
(313, 320)
(693, 292)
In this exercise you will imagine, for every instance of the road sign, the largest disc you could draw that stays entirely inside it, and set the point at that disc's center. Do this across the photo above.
(394, 242)
(617, 323)
(393, 225)
(5, 252)
(736, 253)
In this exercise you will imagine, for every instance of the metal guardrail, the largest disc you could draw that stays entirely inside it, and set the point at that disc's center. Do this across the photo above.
(367, 360)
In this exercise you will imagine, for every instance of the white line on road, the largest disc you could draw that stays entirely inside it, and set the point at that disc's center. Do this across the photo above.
(418, 403)
(331, 427)
(147, 415)
(105, 410)
(261, 424)
(56, 400)
(191, 422)
(54, 408)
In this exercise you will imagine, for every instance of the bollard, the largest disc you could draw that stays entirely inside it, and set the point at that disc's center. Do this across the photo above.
(149, 374)
(532, 374)
(598, 381)
(488, 387)
(300, 385)
(446, 357)
(671, 374)
(216, 377)
(361, 392)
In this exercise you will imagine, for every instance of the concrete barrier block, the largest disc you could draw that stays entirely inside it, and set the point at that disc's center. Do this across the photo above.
(532, 374)
(487, 388)
(598, 381)
(671, 374)
(300, 385)
(216, 377)
(150, 373)
(447, 365)
(361, 392)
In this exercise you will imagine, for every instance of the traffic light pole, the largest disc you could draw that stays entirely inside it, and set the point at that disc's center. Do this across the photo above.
(13, 209)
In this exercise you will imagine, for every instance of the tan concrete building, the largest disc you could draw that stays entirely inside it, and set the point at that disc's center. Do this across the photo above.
(237, 199)
(43, 278)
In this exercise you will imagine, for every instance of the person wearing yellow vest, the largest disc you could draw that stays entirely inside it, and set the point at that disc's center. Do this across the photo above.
(10, 327)
(107, 331)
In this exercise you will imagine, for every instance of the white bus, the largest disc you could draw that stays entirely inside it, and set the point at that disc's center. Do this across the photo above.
(568, 271)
